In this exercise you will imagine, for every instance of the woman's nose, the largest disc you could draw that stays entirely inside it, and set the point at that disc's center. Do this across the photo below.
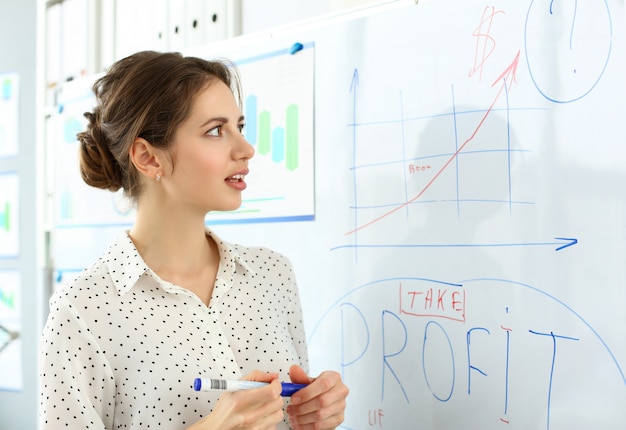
(245, 148)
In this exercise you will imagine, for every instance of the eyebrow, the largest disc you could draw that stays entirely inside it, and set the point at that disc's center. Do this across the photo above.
(222, 119)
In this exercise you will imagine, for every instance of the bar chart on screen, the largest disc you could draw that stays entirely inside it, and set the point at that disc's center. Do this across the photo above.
(9, 228)
(278, 111)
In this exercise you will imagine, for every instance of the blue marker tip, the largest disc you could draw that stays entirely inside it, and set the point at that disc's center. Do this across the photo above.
(295, 48)
(289, 389)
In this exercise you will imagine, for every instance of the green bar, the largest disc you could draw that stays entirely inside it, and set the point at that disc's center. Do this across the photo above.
(264, 133)
(9, 300)
(7, 222)
(291, 137)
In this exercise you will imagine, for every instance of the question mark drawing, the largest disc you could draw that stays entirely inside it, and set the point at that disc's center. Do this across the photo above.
(571, 33)
(579, 67)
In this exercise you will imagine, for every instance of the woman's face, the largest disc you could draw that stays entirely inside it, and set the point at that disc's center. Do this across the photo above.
(209, 153)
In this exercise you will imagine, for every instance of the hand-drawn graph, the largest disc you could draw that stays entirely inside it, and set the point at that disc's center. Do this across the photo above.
(466, 160)
(462, 162)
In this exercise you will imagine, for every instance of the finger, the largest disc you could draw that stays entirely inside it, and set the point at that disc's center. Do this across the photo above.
(261, 395)
(272, 411)
(325, 410)
(260, 406)
(298, 375)
(320, 386)
(327, 418)
(318, 408)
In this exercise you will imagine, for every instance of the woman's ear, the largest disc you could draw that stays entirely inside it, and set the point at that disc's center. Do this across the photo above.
(145, 158)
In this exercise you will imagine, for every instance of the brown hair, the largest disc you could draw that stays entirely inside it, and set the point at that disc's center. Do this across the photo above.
(148, 94)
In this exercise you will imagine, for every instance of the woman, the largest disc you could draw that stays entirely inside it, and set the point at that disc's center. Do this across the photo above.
(170, 301)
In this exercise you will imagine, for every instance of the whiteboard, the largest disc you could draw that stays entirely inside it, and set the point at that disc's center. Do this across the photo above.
(465, 265)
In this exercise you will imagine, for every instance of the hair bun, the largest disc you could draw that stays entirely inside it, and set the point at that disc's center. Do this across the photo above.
(98, 167)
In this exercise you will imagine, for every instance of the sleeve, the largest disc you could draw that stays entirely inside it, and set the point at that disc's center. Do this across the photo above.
(77, 387)
(296, 322)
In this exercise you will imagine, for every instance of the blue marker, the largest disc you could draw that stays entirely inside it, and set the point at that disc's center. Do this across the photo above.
(295, 48)
(206, 384)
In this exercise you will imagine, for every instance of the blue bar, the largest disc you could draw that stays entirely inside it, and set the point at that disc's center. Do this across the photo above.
(278, 144)
(251, 130)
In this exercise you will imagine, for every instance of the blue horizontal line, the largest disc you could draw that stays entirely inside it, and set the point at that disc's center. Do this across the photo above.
(564, 244)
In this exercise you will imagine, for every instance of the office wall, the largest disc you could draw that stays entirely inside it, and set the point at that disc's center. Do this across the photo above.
(259, 16)
(18, 53)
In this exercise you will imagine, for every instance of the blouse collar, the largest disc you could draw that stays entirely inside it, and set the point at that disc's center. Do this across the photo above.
(126, 266)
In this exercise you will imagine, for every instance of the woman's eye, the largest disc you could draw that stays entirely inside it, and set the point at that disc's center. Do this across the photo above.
(241, 127)
(215, 131)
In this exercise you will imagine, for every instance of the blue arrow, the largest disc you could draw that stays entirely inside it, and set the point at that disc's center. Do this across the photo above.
(568, 242)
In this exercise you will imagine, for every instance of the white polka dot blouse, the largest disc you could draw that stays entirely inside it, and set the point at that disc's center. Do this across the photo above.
(121, 347)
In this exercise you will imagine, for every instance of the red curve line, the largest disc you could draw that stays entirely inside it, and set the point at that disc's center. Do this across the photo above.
(510, 70)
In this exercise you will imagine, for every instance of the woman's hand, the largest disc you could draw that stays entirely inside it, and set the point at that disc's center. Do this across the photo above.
(256, 409)
(321, 404)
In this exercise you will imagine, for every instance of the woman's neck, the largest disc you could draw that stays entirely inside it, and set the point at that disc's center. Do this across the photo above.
(171, 243)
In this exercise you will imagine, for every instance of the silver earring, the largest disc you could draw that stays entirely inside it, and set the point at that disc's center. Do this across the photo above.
(158, 178)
